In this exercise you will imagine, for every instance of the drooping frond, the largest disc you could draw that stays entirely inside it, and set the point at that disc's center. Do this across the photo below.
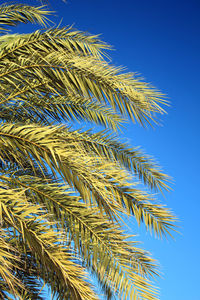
(61, 71)
(74, 40)
(67, 39)
(9, 258)
(69, 106)
(122, 91)
(81, 108)
(45, 245)
(58, 108)
(11, 15)
(88, 174)
(64, 193)
(104, 143)
(103, 245)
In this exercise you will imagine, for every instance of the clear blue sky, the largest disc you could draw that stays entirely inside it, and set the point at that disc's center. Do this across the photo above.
(160, 40)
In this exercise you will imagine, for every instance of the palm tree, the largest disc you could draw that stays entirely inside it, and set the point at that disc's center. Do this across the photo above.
(65, 193)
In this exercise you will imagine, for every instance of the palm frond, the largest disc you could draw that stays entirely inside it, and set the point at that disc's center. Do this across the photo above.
(103, 245)
(67, 39)
(74, 40)
(11, 15)
(106, 144)
(64, 192)
(45, 245)
(89, 175)
(47, 110)
(85, 75)
(9, 258)
(78, 108)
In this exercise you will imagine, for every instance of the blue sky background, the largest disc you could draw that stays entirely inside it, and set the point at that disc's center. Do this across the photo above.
(160, 40)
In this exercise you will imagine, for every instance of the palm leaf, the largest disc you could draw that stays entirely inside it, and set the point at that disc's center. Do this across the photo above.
(11, 15)
(104, 143)
(64, 192)
(64, 71)
(88, 174)
(45, 245)
(103, 245)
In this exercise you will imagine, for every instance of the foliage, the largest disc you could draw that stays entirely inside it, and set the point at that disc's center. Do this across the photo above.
(64, 192)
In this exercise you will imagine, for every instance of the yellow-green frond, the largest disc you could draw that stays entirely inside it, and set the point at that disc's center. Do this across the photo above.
(63, 192)
(11, 15)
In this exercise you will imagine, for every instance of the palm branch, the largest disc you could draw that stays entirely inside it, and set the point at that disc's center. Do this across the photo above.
(65, 192)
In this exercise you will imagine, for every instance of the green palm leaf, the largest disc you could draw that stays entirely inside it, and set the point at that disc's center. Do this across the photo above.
(44, 244)
(88, 174)
(63, 192)
(11, 15)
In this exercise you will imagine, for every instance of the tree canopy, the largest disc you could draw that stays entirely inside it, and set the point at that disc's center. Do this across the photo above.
(64, 193)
